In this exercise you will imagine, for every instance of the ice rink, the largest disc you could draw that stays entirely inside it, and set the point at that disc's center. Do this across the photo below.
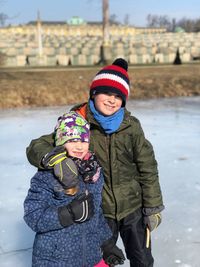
(171, 125)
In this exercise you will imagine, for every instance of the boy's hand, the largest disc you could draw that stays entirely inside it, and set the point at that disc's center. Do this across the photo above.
(113, 255)
(64, 168)
(67, 173)
(153, 221)
(56, 155)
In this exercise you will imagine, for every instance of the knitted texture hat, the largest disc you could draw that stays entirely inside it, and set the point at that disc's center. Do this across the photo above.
(113, 78)
(71, 127)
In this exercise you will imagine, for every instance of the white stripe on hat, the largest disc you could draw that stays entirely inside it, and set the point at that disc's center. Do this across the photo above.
(112, 77)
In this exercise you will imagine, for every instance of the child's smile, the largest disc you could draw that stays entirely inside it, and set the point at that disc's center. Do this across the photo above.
(107, 104)
(77, 149)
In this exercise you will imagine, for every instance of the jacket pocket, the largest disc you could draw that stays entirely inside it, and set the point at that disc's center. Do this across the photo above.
(131, 192)
(45, 245)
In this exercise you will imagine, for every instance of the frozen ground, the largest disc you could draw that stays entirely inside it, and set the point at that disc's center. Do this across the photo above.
(173, 127)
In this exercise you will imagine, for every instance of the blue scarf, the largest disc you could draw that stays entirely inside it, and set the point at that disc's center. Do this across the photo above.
(109, 123)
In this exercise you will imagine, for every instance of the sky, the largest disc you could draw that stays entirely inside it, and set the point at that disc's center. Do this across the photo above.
(23, 11)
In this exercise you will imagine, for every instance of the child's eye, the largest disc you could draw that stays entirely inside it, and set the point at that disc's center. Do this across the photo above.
(111, 94)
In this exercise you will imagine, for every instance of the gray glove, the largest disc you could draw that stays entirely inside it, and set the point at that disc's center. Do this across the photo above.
(56, 155)
(153, 221)
(64, 168)
(67, 173)
(152, 217)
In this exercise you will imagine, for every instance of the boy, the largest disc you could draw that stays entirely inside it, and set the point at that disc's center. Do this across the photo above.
(132, 199)
(65, 211)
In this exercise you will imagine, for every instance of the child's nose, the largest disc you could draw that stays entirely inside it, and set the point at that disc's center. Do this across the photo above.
(79, 145)
(112, 98)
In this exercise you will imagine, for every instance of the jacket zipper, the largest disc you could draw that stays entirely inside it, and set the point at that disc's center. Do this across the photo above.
(84, 236)
(84, 247)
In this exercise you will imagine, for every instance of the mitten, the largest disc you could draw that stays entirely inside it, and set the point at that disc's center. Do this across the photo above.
(153, 221)
(81, 209)
(112, 255)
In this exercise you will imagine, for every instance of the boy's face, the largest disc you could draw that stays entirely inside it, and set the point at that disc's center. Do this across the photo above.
(77, 149)
(107, 104)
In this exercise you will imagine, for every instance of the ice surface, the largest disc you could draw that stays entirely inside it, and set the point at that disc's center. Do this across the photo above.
(172, 126)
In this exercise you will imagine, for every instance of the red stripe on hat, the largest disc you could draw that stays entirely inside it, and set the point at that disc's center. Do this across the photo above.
(117, 68)
(111, 83)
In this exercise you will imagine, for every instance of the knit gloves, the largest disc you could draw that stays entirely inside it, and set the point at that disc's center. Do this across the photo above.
(64, 168)
(112, 255)
(79, 210)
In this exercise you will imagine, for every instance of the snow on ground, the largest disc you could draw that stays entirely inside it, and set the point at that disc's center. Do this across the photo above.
(172, 126)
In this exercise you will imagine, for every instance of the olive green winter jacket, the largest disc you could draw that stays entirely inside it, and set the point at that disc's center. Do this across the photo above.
(127, 158)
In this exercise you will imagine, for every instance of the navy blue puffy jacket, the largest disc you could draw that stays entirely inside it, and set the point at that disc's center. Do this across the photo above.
(77, 245)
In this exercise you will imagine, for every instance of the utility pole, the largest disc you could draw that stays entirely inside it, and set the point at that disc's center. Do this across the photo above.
(106, 47)
(105, 22)
(41, 58)
(39, 35)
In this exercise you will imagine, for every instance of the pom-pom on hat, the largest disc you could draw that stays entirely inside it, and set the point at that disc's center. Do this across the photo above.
(71, 127)
(113, 78)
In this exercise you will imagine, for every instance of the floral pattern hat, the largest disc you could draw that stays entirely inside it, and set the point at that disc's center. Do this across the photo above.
(71, 127)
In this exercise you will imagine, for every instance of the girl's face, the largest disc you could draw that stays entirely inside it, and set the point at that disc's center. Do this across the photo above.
(107, 104)
(77, 149)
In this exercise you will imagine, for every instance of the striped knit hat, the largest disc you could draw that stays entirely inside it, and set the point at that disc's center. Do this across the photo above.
(113, 78)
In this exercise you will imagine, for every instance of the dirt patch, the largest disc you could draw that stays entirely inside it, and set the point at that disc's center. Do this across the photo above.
(63, 86)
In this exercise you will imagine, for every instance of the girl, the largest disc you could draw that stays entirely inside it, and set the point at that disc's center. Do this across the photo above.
(65, 211)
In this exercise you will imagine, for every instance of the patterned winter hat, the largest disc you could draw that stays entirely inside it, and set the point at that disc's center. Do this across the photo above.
(113, 78)
(71, 127)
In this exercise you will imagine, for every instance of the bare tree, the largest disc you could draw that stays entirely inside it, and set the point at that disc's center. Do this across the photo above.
(189, 25)
(127, 19)
(197, 25)
(3, 19)
(159, 21)
(113, 19)
(164, 21)
(173, 26)
(3, 16)
(152, 20)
